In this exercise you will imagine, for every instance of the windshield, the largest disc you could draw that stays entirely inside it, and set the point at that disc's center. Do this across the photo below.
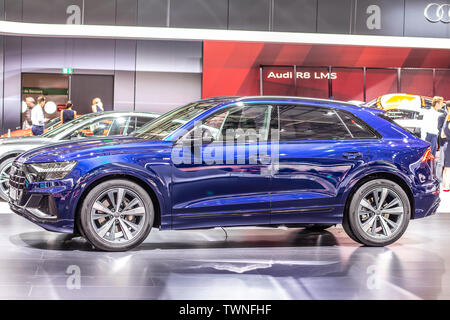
(171, 121)
(65, 126)
(52, 122)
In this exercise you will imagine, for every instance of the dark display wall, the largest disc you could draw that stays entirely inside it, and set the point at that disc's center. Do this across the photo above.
(145, 75)
(373, 17)
(236, 68)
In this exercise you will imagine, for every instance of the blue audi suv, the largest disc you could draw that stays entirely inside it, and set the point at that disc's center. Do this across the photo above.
(233, 161)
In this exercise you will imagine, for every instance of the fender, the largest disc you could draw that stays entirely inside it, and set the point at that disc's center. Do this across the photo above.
(148, 175)
(370, 168)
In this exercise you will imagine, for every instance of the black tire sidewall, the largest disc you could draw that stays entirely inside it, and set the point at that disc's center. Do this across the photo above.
(353, 214)
(2, 165)
(85, 222)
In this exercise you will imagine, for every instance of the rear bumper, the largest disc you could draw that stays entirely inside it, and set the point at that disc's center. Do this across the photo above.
(427, 200)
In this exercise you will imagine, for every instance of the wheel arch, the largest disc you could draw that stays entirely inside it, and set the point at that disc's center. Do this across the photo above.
(10, 154)
(381, 175)
(156, 202)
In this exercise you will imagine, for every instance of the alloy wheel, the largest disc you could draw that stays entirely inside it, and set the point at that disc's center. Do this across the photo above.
(380, 213)
(4, 179)
(118, 215)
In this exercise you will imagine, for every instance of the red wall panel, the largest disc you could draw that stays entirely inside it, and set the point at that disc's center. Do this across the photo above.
(380, 81)
(232, 68)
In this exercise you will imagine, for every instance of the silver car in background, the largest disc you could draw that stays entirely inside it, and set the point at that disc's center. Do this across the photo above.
(93, 125)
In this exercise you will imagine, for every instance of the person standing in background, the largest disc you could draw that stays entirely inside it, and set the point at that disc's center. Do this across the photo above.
(97, 105)
(442, 142)
(30, 102)
(68, 114)
(445, 134)
(430, 130)
(37, 117)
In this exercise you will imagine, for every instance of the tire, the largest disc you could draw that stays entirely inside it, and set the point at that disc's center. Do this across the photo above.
(318, 227)
(5, 166)
(112, 229)
(378, 214)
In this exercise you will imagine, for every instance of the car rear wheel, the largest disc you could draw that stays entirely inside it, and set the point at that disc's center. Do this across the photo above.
(117, 215)
(5, 168)
(378, 214)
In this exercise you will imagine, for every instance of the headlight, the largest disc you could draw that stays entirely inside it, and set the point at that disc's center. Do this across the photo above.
(49, 170)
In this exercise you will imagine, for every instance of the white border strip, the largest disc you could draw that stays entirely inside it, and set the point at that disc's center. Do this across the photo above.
(152, 33)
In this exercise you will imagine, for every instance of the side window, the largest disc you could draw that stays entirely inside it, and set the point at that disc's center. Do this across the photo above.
(119, 126)
(246, 123)
(298, 122)
(98, 128)
(356, 126)
(141, 121)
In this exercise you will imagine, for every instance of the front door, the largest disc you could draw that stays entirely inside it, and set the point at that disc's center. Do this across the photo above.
(227, 178)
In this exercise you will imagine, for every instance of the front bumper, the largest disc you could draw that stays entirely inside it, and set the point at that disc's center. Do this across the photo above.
(40, 218)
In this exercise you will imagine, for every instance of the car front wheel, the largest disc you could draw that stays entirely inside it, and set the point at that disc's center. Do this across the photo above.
(378, 214)
(5, 168)
(117, 215)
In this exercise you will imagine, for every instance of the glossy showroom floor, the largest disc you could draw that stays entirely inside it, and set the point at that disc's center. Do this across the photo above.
(253, 263)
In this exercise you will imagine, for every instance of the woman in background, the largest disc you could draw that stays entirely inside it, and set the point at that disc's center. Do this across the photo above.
(68, 114)
(445, 134)
(97, 105)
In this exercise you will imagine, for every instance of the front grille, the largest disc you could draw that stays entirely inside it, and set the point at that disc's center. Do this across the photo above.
(17, 176)
(17, 179)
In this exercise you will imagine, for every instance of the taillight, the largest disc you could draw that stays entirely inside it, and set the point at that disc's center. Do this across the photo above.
(427, 156)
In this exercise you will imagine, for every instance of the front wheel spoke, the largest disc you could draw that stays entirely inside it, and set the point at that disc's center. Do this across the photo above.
(105, 228)
(111, 200)
(391, 223)
(374, 226)
(386, 230)
(139, 211)
(112, 232)
(391, 204)
(101, 207)
(394, 211)
(131, 204)
(376, 198)
(126, 232)
(96, 216)
(384, 193)
(367, 205)
(120, 194)
(368, 224)
(133, 226)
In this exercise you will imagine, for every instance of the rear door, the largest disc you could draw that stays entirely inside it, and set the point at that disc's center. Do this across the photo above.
(317, 150)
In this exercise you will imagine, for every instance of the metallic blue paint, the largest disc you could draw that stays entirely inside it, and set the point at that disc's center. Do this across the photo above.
(311, 183)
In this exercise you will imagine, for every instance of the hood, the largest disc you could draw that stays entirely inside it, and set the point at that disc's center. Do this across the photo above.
(88, 148)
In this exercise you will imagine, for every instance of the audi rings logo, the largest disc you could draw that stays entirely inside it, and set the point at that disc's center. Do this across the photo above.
(435, 12)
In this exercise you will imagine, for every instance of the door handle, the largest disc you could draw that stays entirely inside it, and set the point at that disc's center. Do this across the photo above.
(352, 155)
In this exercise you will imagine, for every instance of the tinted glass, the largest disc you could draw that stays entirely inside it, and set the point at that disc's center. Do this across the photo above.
(68, 125)
(171, 121)
(247, 122)
(310, 123)
(357, 127)
(98, 128)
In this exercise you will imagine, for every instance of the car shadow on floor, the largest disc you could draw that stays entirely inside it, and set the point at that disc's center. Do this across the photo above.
(292, 238)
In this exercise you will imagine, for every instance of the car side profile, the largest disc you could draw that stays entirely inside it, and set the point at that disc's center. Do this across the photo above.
(233, 161)
(92, 125)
